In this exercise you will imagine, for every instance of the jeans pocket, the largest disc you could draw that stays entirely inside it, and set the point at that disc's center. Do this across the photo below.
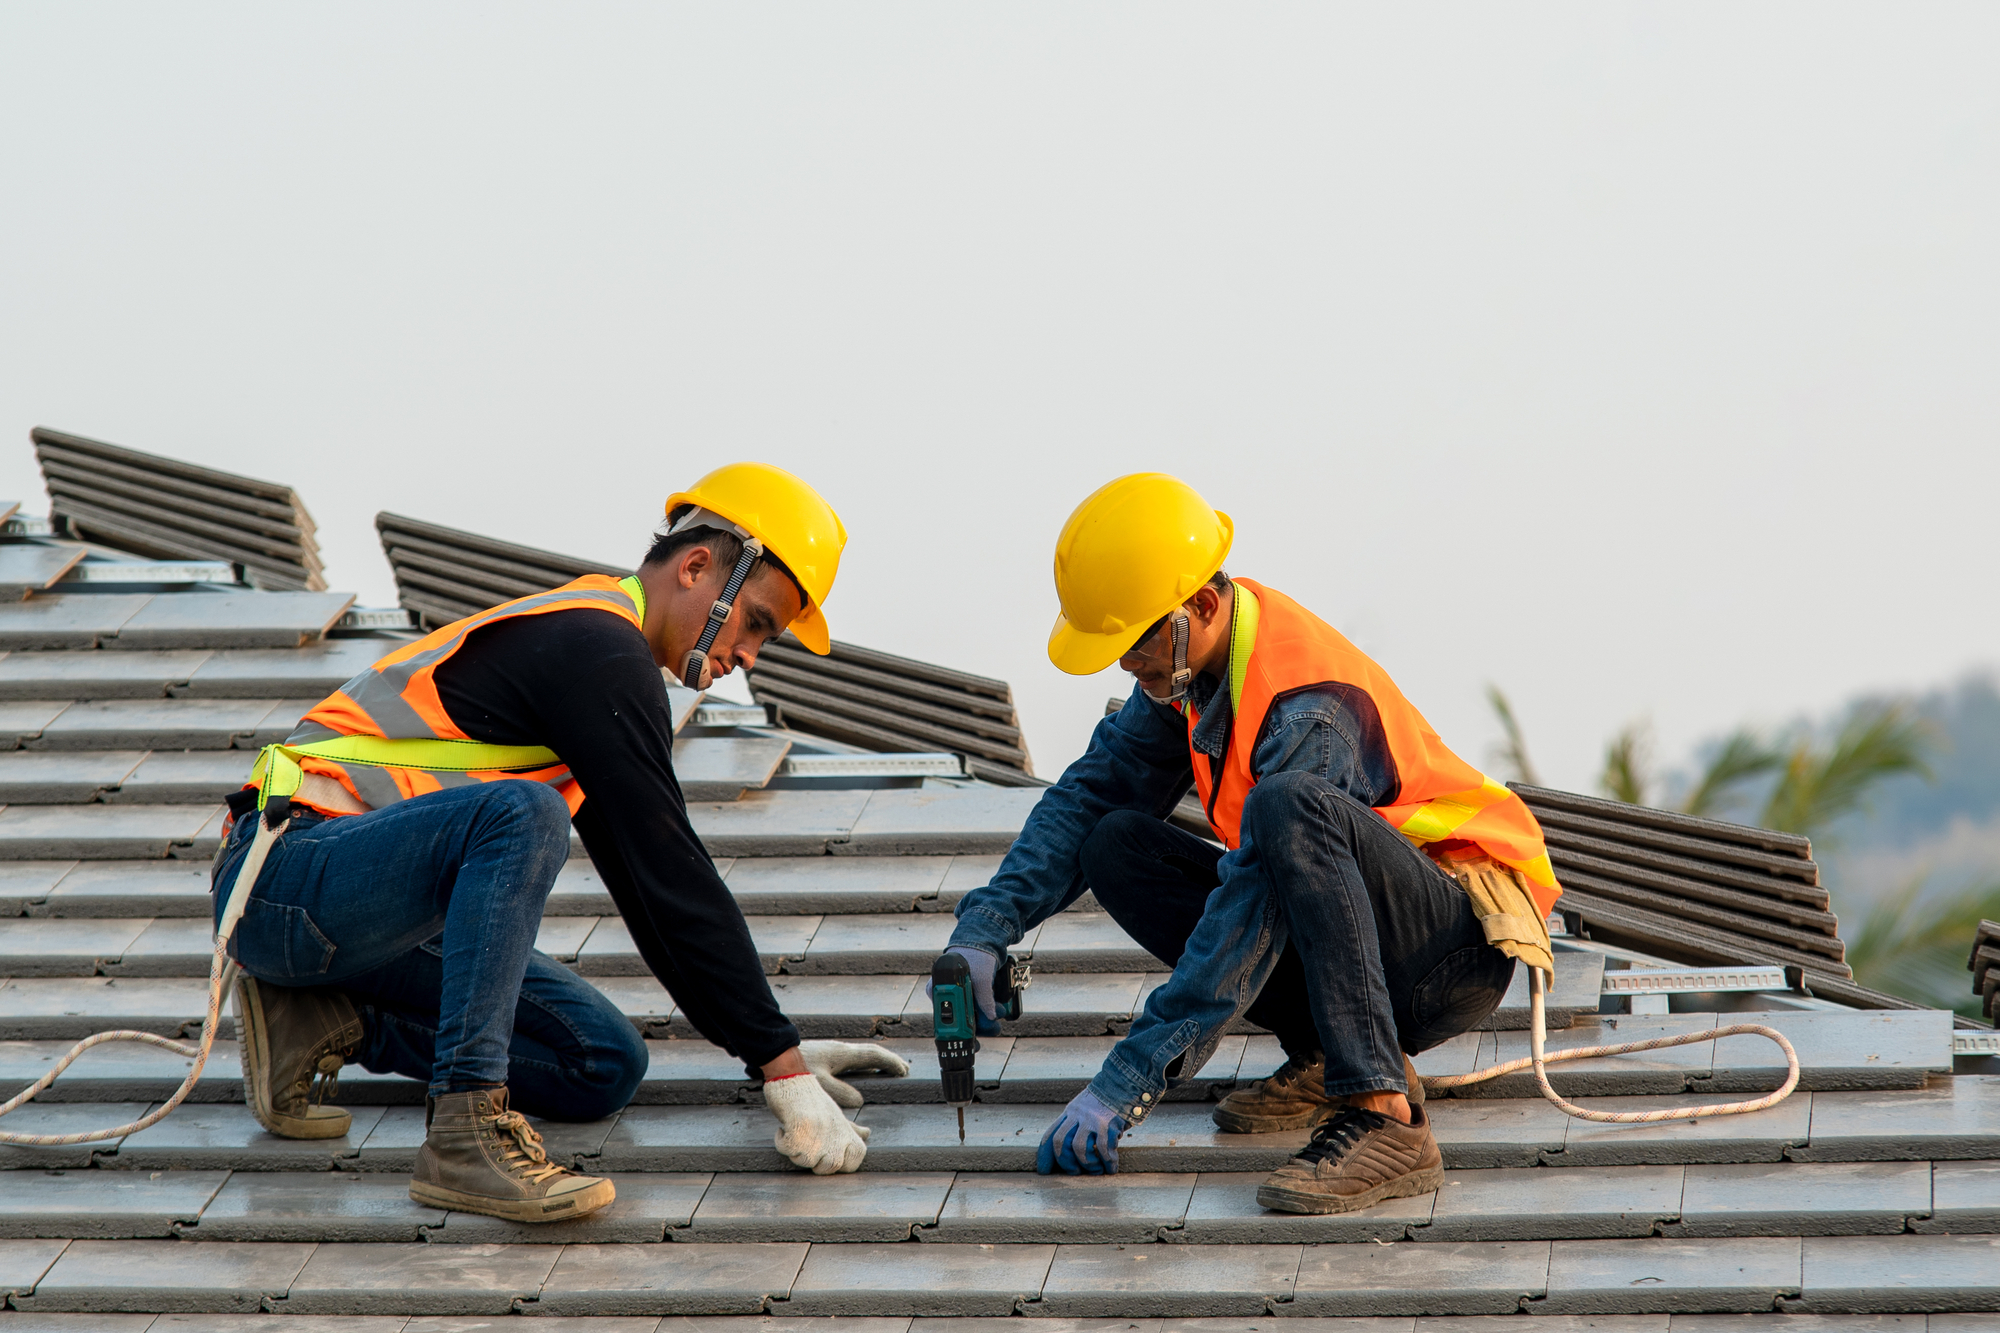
(281, 943)
(1454, 996)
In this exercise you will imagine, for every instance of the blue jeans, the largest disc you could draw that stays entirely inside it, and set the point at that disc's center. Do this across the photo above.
(424, 913)
(1383, 955)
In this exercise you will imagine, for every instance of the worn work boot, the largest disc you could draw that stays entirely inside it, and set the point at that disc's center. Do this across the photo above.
(480, 1157)
(1413, 1082)
(1293, 1098)
(1356, 1159)
(292, 1039)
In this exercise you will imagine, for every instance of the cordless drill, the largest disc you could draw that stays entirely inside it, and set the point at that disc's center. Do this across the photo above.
(955, 1020)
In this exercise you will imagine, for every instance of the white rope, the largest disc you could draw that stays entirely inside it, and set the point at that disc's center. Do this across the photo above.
(1538, 1037)
(220, 973)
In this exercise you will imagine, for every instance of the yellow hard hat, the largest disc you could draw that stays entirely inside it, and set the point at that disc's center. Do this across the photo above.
(1132, 552)
(793, 522)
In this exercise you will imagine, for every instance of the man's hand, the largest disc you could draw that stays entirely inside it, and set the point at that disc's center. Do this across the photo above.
(1083, 1140)
(812, 1131)
(826, 1060)
(983, 965)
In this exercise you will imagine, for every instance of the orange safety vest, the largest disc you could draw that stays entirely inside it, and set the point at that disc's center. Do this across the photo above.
(397, 699)
(1441, 801)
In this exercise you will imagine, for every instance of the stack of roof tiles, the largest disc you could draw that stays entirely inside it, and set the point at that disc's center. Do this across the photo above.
(444, 574)
(170, 510)
(870, 700)
(1985, 967)
(1872, 1189)
(1698, 891)
(878, 701)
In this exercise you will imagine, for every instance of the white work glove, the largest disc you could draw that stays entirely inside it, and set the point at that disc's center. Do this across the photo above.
(828, 1059)
(811, 1129)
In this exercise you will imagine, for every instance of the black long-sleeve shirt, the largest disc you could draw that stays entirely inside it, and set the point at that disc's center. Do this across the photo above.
(583, 683)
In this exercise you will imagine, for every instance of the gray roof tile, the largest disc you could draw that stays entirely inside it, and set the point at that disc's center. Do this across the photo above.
(705, 1279)
(97, 675)
(925, 1279)
(867, 1206)
(167, 1276)
(1714, 1276)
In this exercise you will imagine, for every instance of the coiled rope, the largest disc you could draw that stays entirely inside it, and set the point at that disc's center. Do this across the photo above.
(1539, 1059)
(221, 973)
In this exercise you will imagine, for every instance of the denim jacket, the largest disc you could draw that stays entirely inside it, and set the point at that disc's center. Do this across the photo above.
(1139, 759)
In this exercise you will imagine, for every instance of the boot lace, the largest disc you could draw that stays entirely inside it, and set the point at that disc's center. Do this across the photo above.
(523, 1156)
(322, 1081)
(1335, 1138)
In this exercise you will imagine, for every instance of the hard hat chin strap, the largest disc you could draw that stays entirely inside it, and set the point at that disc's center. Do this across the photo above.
(695, 672)
(1178, 627)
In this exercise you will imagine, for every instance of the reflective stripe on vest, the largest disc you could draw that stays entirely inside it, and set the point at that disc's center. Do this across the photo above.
(385, 735)
(1277, 646)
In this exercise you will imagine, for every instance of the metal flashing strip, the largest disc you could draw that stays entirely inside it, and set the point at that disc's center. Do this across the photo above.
(873, 766)
(1975, 1043)
(731, 715)
(151, 571)
(375, 617)
(1693, 980)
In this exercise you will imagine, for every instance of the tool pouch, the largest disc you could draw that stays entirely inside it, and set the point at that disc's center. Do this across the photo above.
(1506, 909)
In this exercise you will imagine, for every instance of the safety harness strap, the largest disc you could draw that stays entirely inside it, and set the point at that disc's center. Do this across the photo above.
(694, 671)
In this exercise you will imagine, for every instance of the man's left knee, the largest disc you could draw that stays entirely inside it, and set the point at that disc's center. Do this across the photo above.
(608, 1084)
(1284, 799)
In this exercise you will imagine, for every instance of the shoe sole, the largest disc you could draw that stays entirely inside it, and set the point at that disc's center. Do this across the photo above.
(253, 1041)
(534, 1211)
(1236, 1122)
(1283, 1200)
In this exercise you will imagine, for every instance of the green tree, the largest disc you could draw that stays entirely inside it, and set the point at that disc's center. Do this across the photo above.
(1818, 784)
(1513, 748)
(1628, 764)
(1743, 756)
(1917, 950)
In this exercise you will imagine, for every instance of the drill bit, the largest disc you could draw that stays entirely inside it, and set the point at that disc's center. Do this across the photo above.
(961, 1124)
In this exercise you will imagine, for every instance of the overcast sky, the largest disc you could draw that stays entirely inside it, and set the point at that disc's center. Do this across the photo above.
(1641, 360)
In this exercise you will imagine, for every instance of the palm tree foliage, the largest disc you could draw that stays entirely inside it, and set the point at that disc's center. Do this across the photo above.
(1906, 947)
(1627, 760)
(1817, 782)
(1918, 950)
(1742, 758)
(1513, 747)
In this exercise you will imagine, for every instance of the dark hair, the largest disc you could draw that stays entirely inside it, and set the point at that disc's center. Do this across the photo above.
(1219, 581)
(726, 546)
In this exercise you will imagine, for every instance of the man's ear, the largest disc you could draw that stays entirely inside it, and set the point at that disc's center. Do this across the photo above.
(1206, 602)
(694, 563)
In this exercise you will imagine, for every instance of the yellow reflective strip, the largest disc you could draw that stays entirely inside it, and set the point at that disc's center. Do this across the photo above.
(633, 589)
(275, 774)
(443, 756)
(1442, 816)
(1242, 638)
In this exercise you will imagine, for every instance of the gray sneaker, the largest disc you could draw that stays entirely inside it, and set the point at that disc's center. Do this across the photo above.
(480, 1157)
(294, 1040)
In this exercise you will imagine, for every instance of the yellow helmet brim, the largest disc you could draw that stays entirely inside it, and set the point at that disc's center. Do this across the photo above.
(810, 629)
(1082, 654)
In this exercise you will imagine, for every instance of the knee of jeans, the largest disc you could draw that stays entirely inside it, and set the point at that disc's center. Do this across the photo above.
(534, 807)
(1108, 847)
(616, 1069)
(1282, 799)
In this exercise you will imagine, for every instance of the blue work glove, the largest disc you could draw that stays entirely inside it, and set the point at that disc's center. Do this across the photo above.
(986, 1020)
(1083, 1140)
